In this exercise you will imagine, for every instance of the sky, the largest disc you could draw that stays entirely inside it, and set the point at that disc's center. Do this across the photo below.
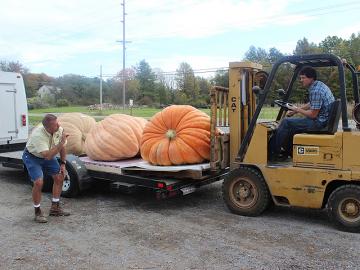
(79, 36)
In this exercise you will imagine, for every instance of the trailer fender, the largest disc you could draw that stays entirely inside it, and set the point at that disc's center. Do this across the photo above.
(76, 178)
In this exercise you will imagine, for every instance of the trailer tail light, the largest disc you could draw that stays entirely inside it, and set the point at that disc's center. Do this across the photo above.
(23, 120)
(161, 185)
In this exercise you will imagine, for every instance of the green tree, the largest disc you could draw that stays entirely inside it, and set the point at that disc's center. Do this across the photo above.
(163, 87)
(303, 46)
(78, 89)
(186, 83)
(33, 81)
(274, 55)
(12, 66)
(257, 55)
(221, 78)
(146, 78)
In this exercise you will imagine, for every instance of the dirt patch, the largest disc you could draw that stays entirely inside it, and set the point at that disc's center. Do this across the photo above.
(116, 231)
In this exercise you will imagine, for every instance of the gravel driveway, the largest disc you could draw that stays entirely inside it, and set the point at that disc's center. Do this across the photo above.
(116, 231)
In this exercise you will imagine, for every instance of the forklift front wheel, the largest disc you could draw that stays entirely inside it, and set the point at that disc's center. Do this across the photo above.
(245, 192)
(344, 208)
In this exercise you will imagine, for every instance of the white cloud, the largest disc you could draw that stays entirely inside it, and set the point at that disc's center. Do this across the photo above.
(347, 31)
(42, 32)
(197, 19)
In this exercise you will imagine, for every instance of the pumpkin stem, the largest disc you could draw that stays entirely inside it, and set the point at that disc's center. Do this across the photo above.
(171, 134)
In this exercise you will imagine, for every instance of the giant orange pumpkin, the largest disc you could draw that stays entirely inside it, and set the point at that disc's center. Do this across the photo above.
(179, 134)
(115, 137)
(77, 126)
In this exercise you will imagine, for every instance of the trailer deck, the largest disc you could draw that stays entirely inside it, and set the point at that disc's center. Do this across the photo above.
(131, 174)
(167, 181)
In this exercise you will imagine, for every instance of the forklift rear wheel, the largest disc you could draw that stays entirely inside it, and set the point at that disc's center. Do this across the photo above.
(344, 208)
(245, 192)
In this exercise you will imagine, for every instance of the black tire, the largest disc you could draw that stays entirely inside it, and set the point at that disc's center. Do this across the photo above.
(245, 192)
(344, 208)
(70, 187)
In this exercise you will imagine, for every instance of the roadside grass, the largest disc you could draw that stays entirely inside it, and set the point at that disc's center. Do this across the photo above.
(141, 112)
(34, 120)
(266, 113)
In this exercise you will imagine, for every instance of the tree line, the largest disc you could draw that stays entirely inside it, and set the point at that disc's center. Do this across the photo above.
(153, 87)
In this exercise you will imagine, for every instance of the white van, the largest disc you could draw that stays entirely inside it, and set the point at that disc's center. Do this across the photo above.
(14, 125)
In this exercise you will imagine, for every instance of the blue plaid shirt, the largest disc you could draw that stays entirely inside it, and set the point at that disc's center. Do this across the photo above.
(320, 98)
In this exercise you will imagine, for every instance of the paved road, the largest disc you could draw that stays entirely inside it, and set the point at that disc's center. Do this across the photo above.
(115, 231)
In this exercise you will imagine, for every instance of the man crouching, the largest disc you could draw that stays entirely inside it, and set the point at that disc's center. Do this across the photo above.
(45, 142)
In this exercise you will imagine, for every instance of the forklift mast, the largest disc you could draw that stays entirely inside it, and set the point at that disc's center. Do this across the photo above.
(231, 111)
(242, 102)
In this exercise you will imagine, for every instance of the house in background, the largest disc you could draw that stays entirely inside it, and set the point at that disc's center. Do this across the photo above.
(48, 91)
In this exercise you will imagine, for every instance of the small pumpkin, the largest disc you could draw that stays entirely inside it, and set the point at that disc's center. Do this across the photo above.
(179, 134)
(77, 126)
(115, 137)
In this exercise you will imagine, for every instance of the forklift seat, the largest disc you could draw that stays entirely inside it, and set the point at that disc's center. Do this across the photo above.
(333, 122)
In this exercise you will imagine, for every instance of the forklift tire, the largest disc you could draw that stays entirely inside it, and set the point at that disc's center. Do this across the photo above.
(245, 192)
(344, 208)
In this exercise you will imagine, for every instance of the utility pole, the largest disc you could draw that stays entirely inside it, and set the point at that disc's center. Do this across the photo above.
(123, 41)
(123, 4)
(100, 87)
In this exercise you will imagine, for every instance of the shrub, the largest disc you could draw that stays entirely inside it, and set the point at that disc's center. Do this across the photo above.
(62, 102)
(36, 103)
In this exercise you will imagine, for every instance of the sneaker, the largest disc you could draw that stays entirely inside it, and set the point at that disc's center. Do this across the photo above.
(57, 211)
(40, 218)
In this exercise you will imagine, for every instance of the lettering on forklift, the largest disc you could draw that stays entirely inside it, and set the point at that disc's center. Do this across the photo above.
(307, 150)
(233, 104)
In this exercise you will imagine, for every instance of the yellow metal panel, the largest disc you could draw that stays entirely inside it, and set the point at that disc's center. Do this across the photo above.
(234, 112)
(351, 142)
(257, 150)
(318, 139)
(318, 151)
(245, 64)
(303, 187)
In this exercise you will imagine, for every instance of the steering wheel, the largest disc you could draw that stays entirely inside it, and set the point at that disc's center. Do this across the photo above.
(282, 104)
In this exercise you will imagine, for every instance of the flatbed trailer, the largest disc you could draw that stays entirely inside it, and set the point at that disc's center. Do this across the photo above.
(127, 175)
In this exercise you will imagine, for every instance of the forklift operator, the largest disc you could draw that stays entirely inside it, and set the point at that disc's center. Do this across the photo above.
(316, 114)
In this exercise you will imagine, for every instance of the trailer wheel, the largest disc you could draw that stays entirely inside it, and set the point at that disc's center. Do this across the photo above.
(71, 182)
(245, 192)
(344, 208)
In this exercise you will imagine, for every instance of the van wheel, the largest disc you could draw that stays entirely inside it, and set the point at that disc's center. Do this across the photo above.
(71, 182)
(245, 192)
(344, 208)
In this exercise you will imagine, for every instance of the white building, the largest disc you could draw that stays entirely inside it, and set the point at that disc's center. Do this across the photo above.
(48, 91)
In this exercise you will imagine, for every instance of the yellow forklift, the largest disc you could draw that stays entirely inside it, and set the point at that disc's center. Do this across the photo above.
(324, 170)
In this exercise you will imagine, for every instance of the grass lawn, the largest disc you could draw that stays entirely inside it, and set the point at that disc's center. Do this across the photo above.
(143, 112)
(266, 113)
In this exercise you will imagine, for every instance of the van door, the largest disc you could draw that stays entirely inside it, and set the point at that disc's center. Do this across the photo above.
(8, 123)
